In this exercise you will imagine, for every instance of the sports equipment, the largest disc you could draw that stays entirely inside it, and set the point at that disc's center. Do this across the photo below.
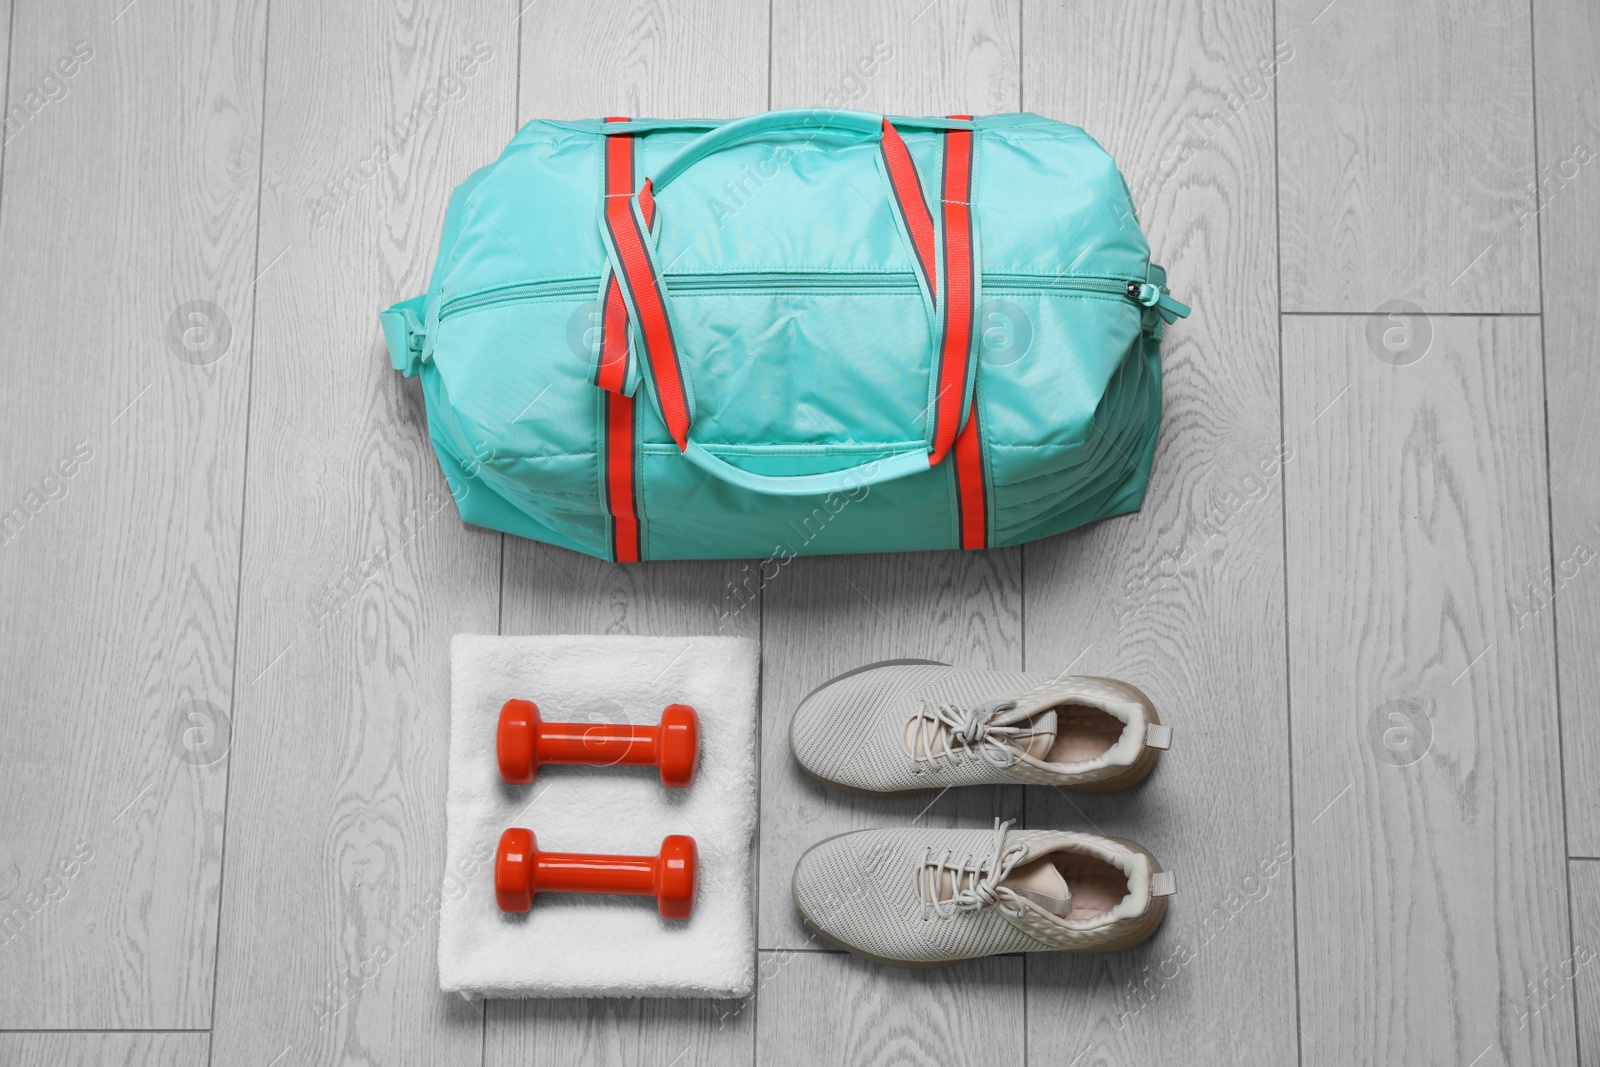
(523, 742)
(521, 871)
(923, 896)
(911, 726)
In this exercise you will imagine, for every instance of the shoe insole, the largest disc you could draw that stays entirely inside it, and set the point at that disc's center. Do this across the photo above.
(1082, 733)
(1065, 884)
(1041, 882)
(1097, 886)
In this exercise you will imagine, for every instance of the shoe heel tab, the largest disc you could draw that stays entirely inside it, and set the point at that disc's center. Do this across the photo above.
(1158, 735)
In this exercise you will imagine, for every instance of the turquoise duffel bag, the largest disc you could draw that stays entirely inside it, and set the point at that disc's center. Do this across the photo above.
(803, 332)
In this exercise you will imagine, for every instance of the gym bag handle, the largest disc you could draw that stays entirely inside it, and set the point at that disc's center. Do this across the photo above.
(631, 245)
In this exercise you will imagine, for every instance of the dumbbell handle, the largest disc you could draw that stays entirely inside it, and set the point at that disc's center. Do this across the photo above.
(577, 872)
(609, 743)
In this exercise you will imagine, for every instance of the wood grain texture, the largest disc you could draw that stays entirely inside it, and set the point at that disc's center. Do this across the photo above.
(902, 57)
(662, 60)
(356, 568)
(835, 1008)
(683, 1033)
(1432, 893)
(824, 616)
(1581, 971)
(129, 188)
(97, 1050)
(1405, 155)
(1567, 38)
(11, 127)
(1184, 598)
(644, 58)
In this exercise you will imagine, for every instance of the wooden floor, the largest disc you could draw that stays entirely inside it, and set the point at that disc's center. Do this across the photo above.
(1365, 587)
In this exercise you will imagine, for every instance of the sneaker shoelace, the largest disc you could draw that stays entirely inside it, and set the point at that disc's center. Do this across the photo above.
(972, 729)
(982, 888)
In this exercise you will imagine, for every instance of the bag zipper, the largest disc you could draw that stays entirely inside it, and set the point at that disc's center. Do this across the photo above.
(1145, 294)
(514, 294)
(1141, 293)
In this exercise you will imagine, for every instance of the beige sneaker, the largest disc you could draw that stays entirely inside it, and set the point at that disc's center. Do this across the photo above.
(912, 726)
(925, 897)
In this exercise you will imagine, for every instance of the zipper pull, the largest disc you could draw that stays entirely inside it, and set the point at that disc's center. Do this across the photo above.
(406, 335)
(1148, 295)
(1172, 310)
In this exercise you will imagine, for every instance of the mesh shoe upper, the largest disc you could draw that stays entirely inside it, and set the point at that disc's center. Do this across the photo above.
(852, 732)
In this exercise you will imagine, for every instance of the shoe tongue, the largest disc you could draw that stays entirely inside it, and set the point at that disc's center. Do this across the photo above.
(1037, 743)
(1041, 882)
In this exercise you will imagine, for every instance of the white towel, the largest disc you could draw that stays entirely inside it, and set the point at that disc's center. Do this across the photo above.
(578, 945)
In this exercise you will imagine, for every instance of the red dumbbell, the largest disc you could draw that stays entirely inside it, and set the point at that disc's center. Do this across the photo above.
(525, 742)
(521, 870)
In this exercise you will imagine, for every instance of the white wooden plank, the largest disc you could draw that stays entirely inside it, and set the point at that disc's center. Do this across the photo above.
(900, 57)
(824, 616)
(96, 1049)
(129, 189)
(1406, 154)
(1578, 973)
(660, 60)
(1429, 867)
(683, 1033)
(11, 126)
(1568, 206)
(1184, 598)
(356, 569)
(644, 58)
(835, 1008)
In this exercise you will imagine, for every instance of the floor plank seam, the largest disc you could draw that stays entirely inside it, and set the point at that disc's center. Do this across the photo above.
(1550, 518)
(1283, 528)
(105, 1030)
(244, 503)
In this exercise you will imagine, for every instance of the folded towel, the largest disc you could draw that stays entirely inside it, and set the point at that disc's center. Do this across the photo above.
(572, 945)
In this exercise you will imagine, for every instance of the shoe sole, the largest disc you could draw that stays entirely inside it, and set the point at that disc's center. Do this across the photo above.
(1136, 772)
(1137, 933)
